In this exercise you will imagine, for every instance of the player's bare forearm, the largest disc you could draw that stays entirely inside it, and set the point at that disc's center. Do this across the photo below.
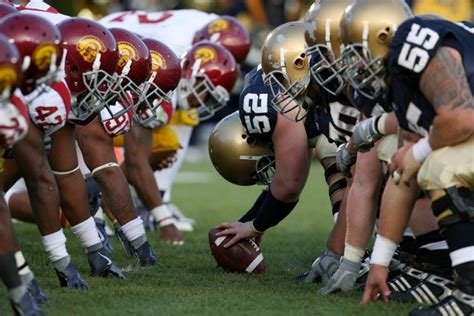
(396, 208)
(391, 124)
(138, 170)
(444, 84)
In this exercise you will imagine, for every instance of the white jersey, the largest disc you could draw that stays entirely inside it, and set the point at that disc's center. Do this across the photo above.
(174, 28)
(44, 10)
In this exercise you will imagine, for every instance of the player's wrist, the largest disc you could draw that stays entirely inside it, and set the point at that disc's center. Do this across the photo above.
(383, 251)
(421, 150)
(252, 226)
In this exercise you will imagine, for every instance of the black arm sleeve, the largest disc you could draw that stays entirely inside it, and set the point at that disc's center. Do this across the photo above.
(271, 212)
(252, 213)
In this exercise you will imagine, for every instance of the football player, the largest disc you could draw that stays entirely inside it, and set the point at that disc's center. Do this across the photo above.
(14, 126)
(430, 82)
(181, 30)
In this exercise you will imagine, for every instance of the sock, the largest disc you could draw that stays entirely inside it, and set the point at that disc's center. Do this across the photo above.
(9, 272)
(62, 263)
(24, 271)
(460, 239)
(465, 279)
(135, 232)
(55, 245)
(87, 234)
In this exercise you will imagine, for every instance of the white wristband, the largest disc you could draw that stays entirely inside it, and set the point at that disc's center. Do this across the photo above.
(163, 215)
(381, 123)
(383, 251)
(421, 150)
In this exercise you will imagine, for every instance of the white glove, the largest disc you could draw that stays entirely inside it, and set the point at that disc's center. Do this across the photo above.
(366, 134)
(13, 126)
(344, 160)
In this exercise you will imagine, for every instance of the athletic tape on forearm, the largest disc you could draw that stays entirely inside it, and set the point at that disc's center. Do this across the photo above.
(252, 213)
(383, 251)
(380, 124)
(105, 166)
(271, 212)
(421, 150)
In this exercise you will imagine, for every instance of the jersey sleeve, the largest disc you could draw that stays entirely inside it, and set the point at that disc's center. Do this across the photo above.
(255, 111)
(414, 45)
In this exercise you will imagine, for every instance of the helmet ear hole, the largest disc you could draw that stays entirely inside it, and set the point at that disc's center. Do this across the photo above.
(251, 141)
(384, 35)
(299, 61)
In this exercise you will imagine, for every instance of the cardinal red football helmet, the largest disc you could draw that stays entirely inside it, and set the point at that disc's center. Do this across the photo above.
(6, 9)
(133, 67)
(39, 44)
(10, 69)
(91, 60)
(163, 79)
(209, 72)
(230, 33)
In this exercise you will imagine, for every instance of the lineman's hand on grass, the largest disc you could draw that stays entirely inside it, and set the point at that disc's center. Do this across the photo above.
(376, 285)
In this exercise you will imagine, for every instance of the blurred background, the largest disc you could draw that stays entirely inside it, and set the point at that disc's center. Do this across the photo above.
(259, 16)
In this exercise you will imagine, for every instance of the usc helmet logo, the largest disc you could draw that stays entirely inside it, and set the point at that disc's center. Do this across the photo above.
(218, 25)
(8, 77)
(126, 52)
(157, 61)
(89, 46)
(206, 54)
(41, 57)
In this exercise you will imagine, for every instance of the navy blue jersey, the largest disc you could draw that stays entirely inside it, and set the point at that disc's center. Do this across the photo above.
(414, 45)
(258, 116)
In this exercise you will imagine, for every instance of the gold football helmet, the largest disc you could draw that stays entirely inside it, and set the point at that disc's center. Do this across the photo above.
(324, 43)
(367, 29)
(238, 157)
(286, 68)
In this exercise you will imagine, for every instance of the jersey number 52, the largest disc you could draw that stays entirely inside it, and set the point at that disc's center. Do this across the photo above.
(257, 106)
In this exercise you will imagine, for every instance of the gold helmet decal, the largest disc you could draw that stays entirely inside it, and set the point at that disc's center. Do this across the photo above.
(206, 54)
(8, 77)
(89, 46)
(218, 25)
(157, 61)
(41, 57)
(126, 52)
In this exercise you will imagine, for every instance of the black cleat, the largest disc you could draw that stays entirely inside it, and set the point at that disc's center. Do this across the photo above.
(70, 278)
(431, 290)
(146, 255)
(100, 225)
(405, 279)
(37, 293)
(102, 266)
(127, 246)
(26, 306)
(458, 303)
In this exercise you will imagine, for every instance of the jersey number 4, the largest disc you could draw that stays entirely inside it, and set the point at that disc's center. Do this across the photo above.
(414, 55)
(256, 104)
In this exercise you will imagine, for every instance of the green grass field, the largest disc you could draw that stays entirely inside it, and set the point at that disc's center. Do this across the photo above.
(188, 282)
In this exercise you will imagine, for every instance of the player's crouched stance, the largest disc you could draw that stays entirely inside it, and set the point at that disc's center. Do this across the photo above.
(23, 289)
(430, 69)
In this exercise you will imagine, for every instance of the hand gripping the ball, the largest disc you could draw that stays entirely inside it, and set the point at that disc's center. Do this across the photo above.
(239, 230)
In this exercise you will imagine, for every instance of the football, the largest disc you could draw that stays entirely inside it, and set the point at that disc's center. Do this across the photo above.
(244, 256)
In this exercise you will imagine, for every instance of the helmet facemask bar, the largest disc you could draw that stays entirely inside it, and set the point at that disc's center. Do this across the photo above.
(265, 169)
(287, 97)
(99, 85)
(364, 73)
(211, 98)
(326, 70)
(150, 99)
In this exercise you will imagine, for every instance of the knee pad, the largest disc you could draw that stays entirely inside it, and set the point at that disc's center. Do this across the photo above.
(455, 206)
